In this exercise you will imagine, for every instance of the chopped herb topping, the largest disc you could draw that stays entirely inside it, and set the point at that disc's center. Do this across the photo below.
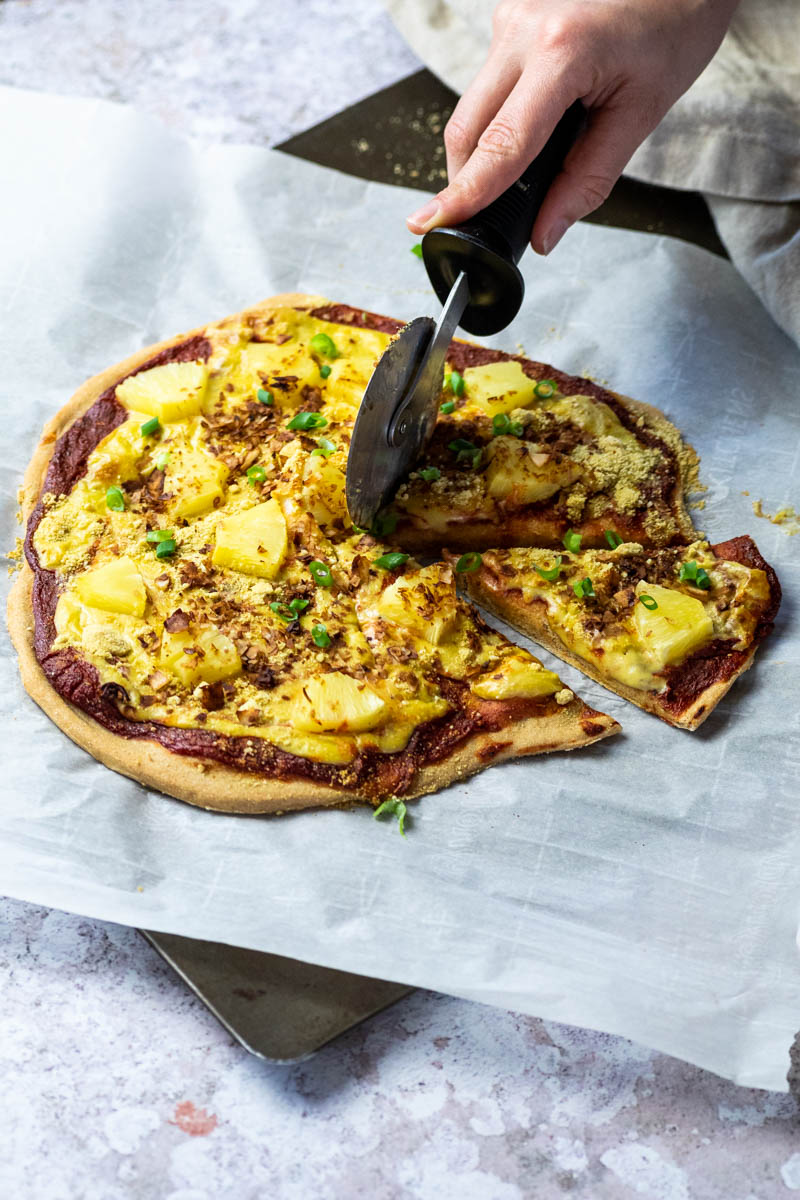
(572, 541)
(465, 450)
(391, 561)
(429, 474)
(160, 535)
(320, 636)
(325, 448)
(325, 370)
(256, 475)
(455, 381)
(307, 420)
(471, 561)
(501, 423)
(550, 573)
(163, 459)
(150, 427)
(583, 588)
(165, 548)
(265, 397)
(393, 807)
(417, 249)
(288, 612)
(648, 602)
(115, 499)
(544, 389)
(321, 573)
(691, 573)
(448, 406)
(384, 525)
(612, 538)
(324, 346)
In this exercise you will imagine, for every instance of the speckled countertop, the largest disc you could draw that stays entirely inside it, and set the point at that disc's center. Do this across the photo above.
(117, 1084)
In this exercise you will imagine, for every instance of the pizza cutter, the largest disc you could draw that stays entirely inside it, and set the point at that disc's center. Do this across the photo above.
(473, 270)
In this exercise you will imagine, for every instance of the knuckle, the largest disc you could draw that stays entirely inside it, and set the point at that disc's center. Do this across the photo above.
(594, 190)
(455, 134)
(557, 34)
(500, 138)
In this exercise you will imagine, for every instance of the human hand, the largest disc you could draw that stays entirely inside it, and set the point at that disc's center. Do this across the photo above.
(627, 60)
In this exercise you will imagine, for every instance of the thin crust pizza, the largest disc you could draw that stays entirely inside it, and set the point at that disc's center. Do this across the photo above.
(669, 629)
(198, 612)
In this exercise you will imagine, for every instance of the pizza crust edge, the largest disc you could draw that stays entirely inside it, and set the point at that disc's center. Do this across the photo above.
(212, 785)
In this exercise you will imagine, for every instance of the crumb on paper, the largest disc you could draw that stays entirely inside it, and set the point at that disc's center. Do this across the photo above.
(787, 517)
(15, 557)
(139, 888)
(745, 493)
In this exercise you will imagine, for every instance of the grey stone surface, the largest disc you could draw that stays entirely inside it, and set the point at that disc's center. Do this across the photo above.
(116, 1083)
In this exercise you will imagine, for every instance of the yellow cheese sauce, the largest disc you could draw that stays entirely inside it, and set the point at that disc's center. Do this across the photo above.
(207, 565)
(641, 622)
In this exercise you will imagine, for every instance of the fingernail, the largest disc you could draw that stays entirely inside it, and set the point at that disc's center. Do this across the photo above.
(424, 218)
(554, 235)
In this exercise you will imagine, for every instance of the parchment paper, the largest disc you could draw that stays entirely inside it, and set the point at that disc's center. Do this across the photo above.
(648, 886)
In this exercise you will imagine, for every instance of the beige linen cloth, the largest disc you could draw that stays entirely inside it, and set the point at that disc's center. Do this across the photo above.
(734, 136)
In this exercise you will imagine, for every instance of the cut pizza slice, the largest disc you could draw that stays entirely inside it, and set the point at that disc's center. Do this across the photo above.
(199, 613)
(669, 629)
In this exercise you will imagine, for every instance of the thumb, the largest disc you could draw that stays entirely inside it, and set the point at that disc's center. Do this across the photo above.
(590, 170)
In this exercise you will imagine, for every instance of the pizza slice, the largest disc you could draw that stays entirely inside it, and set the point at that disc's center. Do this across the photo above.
(198, 612)
(669, 629)
(522, 452)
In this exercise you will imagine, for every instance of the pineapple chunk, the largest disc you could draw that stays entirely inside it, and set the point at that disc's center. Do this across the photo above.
(116, 587)
(291, 365)
(170, 392)
(424, 603)
(195, 479)
(337, 703)
(514, 474)
(319, 747)
(517, 676)
(674, 630)
(205, 656)
(592, 415)
(499, 387)
(323, 490)
(253, 542)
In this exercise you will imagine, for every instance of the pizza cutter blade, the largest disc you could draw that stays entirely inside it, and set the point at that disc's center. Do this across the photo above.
(473, 270)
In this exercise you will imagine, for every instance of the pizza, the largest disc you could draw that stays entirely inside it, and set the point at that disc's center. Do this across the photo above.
(668, 628)
(199, 613)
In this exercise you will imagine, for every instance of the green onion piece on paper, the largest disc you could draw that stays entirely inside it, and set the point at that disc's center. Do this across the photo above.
(324, 346)
(165, 548)
(307, 420)
(321, 573)
(265, 397)
(648, 602)
(320, 636)
(417, 249)
(115, 499)
(150, 427)
(612, 538)
(583, 588)
(572, 541)
(471, 561)
(391, 561)
(393, 807)
(550, 573)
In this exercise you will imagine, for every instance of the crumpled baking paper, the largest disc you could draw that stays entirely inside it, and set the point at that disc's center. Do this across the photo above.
(647, 886)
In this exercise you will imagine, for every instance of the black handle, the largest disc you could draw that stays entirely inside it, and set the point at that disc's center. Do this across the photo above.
(489, 245)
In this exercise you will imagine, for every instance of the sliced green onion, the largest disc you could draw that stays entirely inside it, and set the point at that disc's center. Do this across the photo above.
(544, 389)
(648, 602)
(703, 579)
(325, 448)
(572, 541)
(471, 561)
(691, 573)
(384, 524)
(320, 636)
(265, 397)
(500, 423)
(550, 573)
(160, 535)
(448, 406)
(321, 573)
(115, 499)
(165, 548)
(324, 346)
(150, 427)
(288, 612)
(456, 383)
(612, 538)
(393, 807)
(256, 475)
(307, 420)
(297, 605)
(429, 474)
(464, 449)
(391, 561)
(583, 588)
(325, 370)
(417, 249)
(163, 459)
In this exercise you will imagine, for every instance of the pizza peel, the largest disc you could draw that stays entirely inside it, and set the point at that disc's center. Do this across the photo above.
(473, 270)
